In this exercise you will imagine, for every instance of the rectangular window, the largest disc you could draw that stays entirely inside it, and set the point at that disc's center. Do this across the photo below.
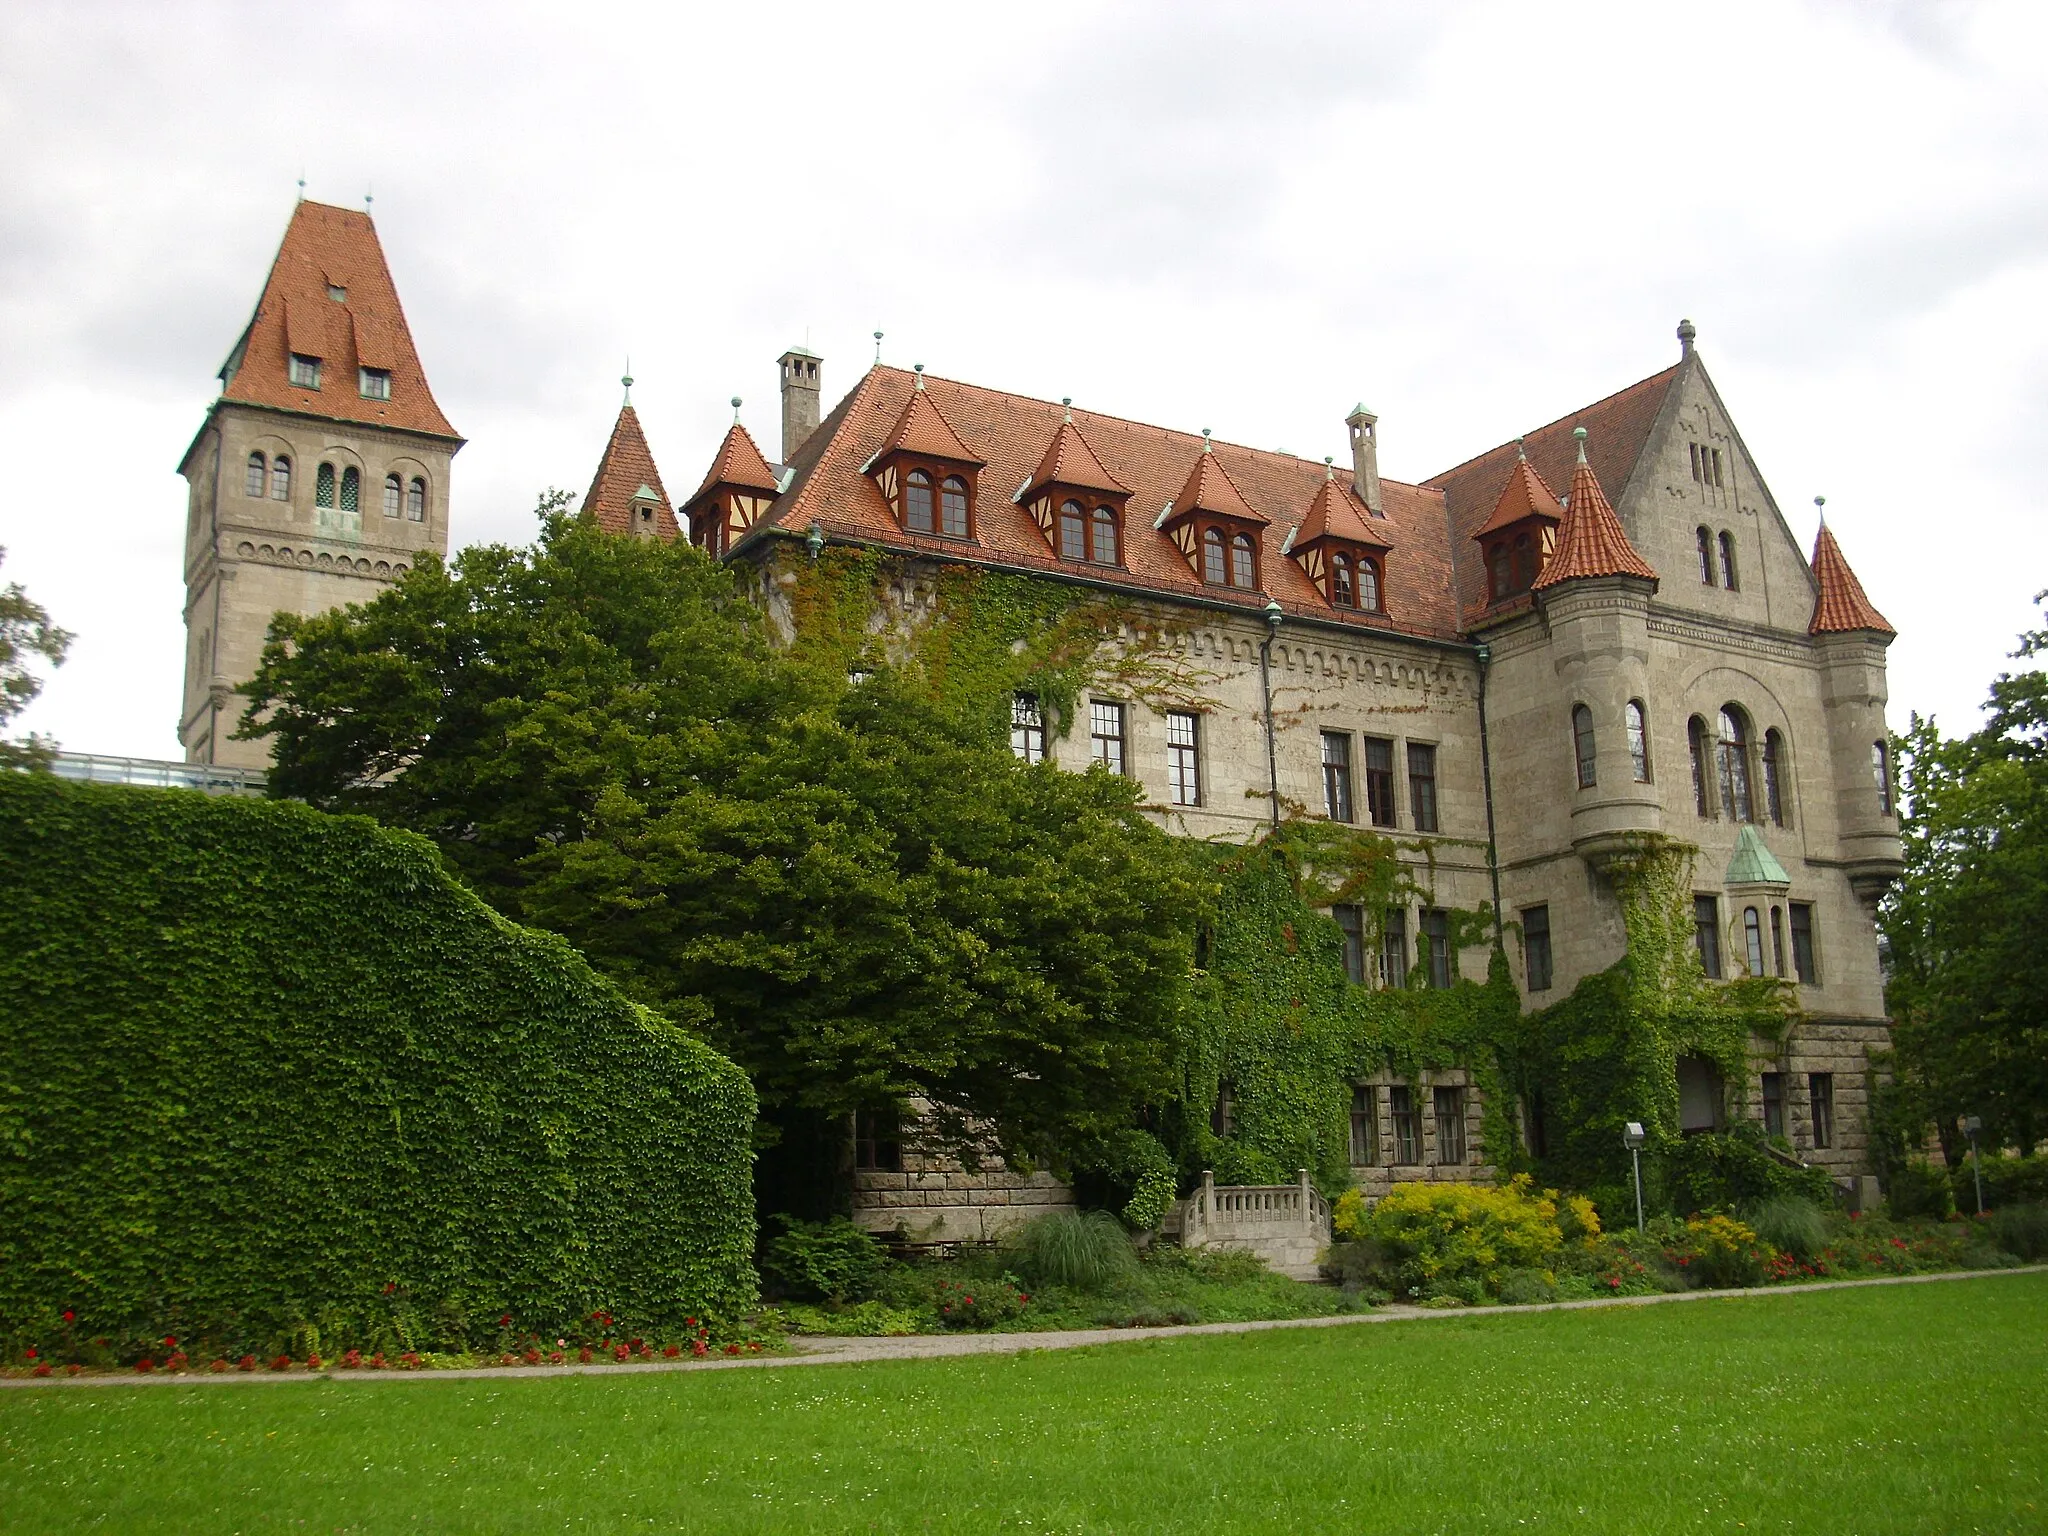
(1352, 921)
(1407, 1124)
(1802, 943)
(1820, 1089)
(1536, 947)
(1777, 941)
(1717, 477)
(1365, 1127)
(1695, 448)
(374, 383)
(1379, 780)
(1774, 1103)
(1422, 784)
(305, 371)
(1436, 930)
(1184, 757)
(1394, 949)
(1706, 932)
(1106, 733)
(1027, 728)
(1450, 1126)
(1337, 775)
(877, 1141)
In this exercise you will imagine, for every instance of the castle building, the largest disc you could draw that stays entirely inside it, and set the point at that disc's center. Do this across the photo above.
(1521, 668)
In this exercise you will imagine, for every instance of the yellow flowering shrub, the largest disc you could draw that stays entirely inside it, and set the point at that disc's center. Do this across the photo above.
(1721, 1251)
(1441, 1232)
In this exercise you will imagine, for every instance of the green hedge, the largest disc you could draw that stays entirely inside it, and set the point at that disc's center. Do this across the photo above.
(266, 1072)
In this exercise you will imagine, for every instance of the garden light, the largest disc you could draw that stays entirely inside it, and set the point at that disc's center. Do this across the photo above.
(1633, 1137)
(1972, 1124)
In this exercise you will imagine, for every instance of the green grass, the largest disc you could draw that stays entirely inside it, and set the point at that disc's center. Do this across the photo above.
(1907, 1408)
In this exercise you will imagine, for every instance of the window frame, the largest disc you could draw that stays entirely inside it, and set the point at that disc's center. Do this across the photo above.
(1110, 750)
(1636, 723)
(1771, 1095)
(952, 489)
(1774, 775)
(1350, 921)
(1337, 801)
(416, 499)
(1705, 538)
(919, 486)
(1215, 558)
(1365, 1125)
(1753, 941)
(1732, 774)
(1805, 956)
(1073, 524)
(1703, 787)
(1881, 775)
(1820, 1103)
(877, 1142)
(1585, 747)
(281, 477)
(1343, 584)
(1407, 1125)
(394, 494)
(1104, 523)
(1706, 932)
(1027, 729)
(326, 482)
(1394, 958)
(351, 489)
(1380, 806)
(1433, 926)
(373, 383)
(1423, 808)
(1729, 580)
(1777, 940)
(1244, 562)
(1184, 758)
(1370, 588)
(1535, 943)
(1447, 1102)
(302, 371)
(256, 476)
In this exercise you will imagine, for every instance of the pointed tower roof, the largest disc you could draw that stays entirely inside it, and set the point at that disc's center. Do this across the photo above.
(740, 464)
(1209, 488)
(1840, 606)
(1524, 498)
(1754, 863)
(330, 296)
(1070, 461)
(1336, 513)
(1590, 540)
(923, 430)
(626, 474)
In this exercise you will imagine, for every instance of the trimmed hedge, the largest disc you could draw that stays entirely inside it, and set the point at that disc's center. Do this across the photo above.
(268, 1074)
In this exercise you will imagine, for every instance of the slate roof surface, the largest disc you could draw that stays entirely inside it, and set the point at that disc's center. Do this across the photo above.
(922, 429)
(1590, 540)
(327, 247)
(1070, 461)
(1337, 513)
(1840, 607)
(1523, 497)
(627, 465)
(739, 463)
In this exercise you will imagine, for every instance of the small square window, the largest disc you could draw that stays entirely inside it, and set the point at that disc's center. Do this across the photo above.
(337, 293)
(305, 371)
(374, 383)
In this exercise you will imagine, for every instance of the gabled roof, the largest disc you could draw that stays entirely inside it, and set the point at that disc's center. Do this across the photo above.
(1590, 540)
(1524, 497)
(324, 249)
(1337, 514)
(1070, 461)
(1753, 863)
(1209, 488)
(1840, 606)
(923, 430)
(739, 464)
(626, 473)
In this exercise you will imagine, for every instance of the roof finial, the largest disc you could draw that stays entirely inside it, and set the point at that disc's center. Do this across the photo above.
(1067, 405)
(627, 379)
(1205, 441)
(1521, 453)
(1686, 332)
(367, 199)
(878, 347)
(1822, 503)
(735, 410)
(1329, 467)
(302, 183)
(1579, 433)
(918, 369)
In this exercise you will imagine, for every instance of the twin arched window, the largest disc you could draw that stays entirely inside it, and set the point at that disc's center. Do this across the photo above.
(950, 504)
(1228, 563)
(1708, 543)
(351, 497)
(272, 475)
(1355, 582)
(1721, 777)
(412, 498)
(1582, 746)
(1511, 567)
(1088, 534)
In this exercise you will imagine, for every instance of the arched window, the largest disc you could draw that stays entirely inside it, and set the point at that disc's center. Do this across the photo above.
(1242, 571)
(1696, 738)
(1342, 593)
(1103, 536)
(1728, 560)
(1706, 538)
(1498, 571)
(1638, 741)
(1774, 777)
(281, 478)
(1525, 563)
(1073, 532)
(394, 494)
(1881, 771)
(918, 514)
(323, 487)
(259, 472)
(953, 507)
(351, 489)
(1368, 585)
(1582, 745)
(416, 500)
(1732, 754)
(1753, 940)
(1212, 558)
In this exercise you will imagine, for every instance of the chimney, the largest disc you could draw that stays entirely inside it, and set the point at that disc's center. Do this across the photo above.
(1365, 458)
(799, 399)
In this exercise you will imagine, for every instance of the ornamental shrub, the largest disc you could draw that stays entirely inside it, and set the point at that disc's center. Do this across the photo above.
(1797, 1226)
(1449, 1232)
(1918, 1189)
(266, 1071)
(829, 1259)
(2021, 1230)
(2007, 1181)
(1721, 1172)
(1719, 1251)
(1082, 1250)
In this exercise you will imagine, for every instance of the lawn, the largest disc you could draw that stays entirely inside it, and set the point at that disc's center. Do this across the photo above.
(1907, 1408)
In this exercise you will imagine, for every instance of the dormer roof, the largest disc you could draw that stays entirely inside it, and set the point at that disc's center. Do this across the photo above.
(1071, 462)
(923, 432)
(1590, 539)
(1840, 606)
(740, 464)
(1525, 498)
(1210, 489)
(626, 474)
(1336, 513)
(1753, 863)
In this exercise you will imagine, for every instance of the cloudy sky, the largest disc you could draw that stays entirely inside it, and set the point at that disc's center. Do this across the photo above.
(1476, 217)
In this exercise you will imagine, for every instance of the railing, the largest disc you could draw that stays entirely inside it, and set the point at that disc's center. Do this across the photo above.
(214, 778)
(1248, 1212)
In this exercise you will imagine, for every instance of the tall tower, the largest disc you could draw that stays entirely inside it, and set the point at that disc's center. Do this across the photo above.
(800, 388)
(320, 473)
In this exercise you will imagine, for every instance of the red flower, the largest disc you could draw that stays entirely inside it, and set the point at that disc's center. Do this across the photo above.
(352, 1360)
(533, 1357)
(672, 1351)
(246, 1363)
(74, 1370)
(43, 1369)
(505, 1321)
(170, 1341)
(377, 1361)
(584, 1355)
(70, 1317)
(556, 1357)
(969, 1300)
(281, 1363)
(144, 1366)
(621, 1353)
(697, 1348)
(31, 1353)
(732, 1349)
(753, 1346)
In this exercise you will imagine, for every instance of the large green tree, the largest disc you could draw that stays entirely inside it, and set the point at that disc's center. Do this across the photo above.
(849, 885)
(25, 631)
(1968, 924)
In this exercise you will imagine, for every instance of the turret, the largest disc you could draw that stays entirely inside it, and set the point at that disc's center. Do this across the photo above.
(1849, 641)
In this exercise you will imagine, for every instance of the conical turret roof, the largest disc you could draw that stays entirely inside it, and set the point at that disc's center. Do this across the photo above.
(1523, 498)
(625, 474)
(1840, 606)
(740, 464)
(1590, 539)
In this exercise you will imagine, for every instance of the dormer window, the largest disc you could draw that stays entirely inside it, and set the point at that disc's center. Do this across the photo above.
(374, 383)
(1354, 582)
(304, 371)
(1512, 564)
(953, 507)
(926, 473)
(1076, 502)
(1339, 547)
(1212, 524)
(917, 503)
(337, 293)
(1520, 534)
(1243, 562)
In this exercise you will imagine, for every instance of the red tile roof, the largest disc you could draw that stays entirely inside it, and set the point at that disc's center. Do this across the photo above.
(626, 466)
(739, 464)
(1070, 461)
(1590, 540)
(1209, 488)
(1840, 607)
(922, 429)
(326, 248)
(1523, 497)
(1009, 433)
(1336, 513)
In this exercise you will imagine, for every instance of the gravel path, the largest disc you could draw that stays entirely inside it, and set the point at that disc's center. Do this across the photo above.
(931, 1346)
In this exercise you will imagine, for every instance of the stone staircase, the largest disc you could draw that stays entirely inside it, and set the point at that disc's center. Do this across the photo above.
(1287, 1225)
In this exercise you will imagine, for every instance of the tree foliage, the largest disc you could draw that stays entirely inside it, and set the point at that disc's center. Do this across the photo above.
(25, 631)
(1969, 971)
(849, 884)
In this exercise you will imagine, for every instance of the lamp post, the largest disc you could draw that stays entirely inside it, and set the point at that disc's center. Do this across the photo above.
(1633, 1138)
(1973, 1124)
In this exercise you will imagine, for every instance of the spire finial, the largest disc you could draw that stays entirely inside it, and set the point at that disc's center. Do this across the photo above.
(1687, 332)
(918, 369)
(878, 347)
(735, 410)
(1205, 441)
(627, 379)
(1329, 467)
(1521, 453)
(1067, 405)
(367, 199)
(1579, 434)
(1822, 503)
(302, 183)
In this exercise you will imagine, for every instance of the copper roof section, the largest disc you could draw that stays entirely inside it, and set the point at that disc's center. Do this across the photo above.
(1525, 496)
(739, 464)
(1070, 461)
(1840, 607)
(1590, 541)
(1338, 514)
(1209, 488)
(327, 249)
(923, 430)
(624, 473)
